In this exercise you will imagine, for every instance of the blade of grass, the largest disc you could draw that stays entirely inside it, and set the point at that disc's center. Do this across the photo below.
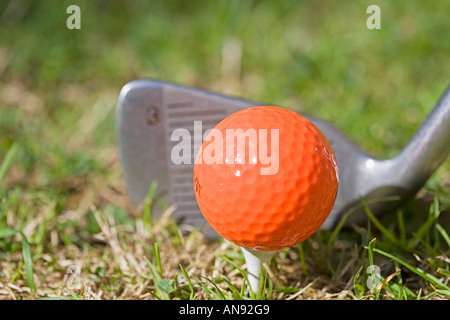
(237, 295)
(428, 277)
(8, 159)
(218, 292)
(443, 233)
(401, 226)
(18, 273)
(432, 217)
(430, 295)
(75, 296)
(26, 254)
(156, 280)
(7, 232)
(400, 291)
(359, 289)
(242, 272)
(443, 292)
(302, 259)
(377, 223)
(430, 249)
(234, 265)
(370, 250)
(148, 204)
(345, 216)
(373, 275)
(398, 271)
(26, 251)
(157, 258)
(155, 296)
(437, 239)
(191, 287)
(336, 231)
(209, 292)
(444, 272)
(262, 286)
(156, 276)
(419, 294)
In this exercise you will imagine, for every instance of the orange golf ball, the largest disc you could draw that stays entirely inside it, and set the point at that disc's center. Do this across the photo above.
(265, 178)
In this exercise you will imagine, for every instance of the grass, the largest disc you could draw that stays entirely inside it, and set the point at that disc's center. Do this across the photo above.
(122, 261)
(62, 198)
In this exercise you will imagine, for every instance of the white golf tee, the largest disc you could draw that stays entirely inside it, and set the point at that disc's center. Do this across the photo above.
(254, 260)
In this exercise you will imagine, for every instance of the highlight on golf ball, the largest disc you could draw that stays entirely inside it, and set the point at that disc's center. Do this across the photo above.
(265, 178)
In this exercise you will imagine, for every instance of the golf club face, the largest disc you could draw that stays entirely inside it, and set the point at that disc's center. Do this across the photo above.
(150, 111)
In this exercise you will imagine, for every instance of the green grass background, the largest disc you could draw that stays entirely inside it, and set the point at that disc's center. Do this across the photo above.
(58, 87)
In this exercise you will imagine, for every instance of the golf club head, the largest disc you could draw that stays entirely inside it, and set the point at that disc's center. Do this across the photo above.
(149, 111)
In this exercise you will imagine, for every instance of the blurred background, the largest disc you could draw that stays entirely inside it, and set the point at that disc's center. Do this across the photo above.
(59, 87)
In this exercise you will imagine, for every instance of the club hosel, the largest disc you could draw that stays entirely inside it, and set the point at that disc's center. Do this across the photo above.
(428, 148)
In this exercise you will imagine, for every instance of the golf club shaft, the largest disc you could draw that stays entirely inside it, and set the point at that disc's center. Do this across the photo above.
(430, 145)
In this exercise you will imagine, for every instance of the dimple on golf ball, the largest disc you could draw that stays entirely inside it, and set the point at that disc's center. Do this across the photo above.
(265, 178)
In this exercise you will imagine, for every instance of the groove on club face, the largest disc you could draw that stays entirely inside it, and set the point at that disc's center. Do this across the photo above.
(149, 111)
